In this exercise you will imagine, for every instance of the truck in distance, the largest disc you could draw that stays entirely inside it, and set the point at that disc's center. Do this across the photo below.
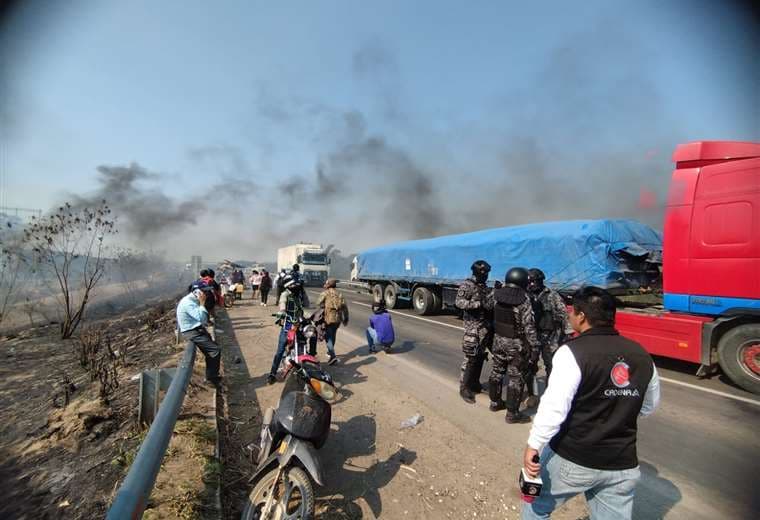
(312, 260)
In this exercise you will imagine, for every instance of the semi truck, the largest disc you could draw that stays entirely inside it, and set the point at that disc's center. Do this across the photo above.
(704, 310)
(312, 261)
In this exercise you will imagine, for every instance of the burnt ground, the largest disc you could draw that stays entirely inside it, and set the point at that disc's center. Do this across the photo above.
(66, 461)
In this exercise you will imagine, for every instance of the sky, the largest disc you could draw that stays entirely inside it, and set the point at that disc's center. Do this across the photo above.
(232, 129)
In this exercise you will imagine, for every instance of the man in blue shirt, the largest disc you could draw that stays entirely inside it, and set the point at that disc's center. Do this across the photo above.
(192, 318)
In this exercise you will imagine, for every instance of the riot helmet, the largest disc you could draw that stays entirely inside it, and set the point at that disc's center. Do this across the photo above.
(480, 270)
(517, 277)
(536, 279)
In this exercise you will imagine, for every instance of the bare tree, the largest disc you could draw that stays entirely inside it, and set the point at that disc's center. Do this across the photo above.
(12, 270)
(71, 244)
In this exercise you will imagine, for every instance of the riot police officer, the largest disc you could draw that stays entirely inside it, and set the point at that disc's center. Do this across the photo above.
(552, 322)
(473, 299)
(514, 337)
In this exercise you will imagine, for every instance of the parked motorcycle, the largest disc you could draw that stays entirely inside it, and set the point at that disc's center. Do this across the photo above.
(291, 434)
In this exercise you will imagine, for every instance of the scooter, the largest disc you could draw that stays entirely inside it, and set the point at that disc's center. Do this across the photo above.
(288, 460)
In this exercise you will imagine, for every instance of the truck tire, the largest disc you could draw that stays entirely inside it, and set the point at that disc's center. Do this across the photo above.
(739, 356)
(437, 303)
(377, 293)
(391, 296)
(423, 301)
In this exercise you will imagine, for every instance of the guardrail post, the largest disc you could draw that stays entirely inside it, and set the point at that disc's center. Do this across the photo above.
(132, 497)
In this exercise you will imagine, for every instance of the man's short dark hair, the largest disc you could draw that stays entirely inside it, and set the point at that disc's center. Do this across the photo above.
(596, 304)
(204, 272)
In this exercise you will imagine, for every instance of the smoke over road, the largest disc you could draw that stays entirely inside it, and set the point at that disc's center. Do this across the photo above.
(570, 143)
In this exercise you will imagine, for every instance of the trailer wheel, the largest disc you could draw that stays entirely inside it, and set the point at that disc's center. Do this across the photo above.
(437, 303)
(377, 293)
(391, 296)
(739, 356)
(423, 300)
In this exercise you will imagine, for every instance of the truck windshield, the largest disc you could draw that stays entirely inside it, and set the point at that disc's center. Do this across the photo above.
(314, 258)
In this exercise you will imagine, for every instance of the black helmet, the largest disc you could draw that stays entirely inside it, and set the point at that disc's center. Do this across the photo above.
(480, 267)
(535, 280)
(517, 276)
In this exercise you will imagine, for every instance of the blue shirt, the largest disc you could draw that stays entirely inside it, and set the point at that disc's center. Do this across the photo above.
(190, 313)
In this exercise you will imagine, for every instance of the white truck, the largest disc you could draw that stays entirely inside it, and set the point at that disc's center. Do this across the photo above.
(312, 261)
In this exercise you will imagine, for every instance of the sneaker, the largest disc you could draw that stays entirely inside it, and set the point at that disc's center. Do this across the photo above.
(271, 379)
(372, 351)
(333, 360)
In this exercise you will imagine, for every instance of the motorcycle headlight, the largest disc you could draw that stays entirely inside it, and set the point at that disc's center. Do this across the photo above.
(324, 389)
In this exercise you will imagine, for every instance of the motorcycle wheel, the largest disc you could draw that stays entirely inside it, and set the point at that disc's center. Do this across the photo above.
(294, 498)
(229, 301)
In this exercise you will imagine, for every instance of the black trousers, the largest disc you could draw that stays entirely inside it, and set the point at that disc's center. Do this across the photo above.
(211, 351)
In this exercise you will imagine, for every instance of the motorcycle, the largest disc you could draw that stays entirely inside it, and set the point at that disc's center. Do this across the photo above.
(228, 294)
(288, 461)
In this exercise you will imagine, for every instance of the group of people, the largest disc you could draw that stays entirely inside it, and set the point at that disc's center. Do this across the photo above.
(583, 437)
(261, 284)
(518, 322)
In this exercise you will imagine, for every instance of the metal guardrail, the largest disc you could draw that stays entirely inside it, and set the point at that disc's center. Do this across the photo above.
(132, 497)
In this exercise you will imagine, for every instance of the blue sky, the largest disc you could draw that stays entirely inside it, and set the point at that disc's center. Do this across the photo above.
(255, 95)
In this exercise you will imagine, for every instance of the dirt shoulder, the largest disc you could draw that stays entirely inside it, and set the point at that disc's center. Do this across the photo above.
(66, 461)
(460, 462)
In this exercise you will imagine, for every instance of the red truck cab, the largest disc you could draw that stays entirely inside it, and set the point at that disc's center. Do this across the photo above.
(711, 264)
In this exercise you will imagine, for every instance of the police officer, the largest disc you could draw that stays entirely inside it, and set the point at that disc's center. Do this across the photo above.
(552, 322)
(473, 300)
(514, 337)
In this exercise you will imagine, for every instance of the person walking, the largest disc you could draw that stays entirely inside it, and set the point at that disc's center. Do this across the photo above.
(192, 318)
(336, 312)
(586, 423)
(514, 338)
(265, 285)
(472, 299)
(255, 283)
(380, 331)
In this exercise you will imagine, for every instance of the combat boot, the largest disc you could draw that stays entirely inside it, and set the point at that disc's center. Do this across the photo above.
(494, 392)
(464, 388)
(474, 381)
(514, 396)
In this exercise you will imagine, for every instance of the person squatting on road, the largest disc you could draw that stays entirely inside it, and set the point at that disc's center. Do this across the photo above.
(552, 326)
(292, 302)
(192, 318)
(336, 312)
(586, 422)
(514, 338)
(380, 331)
(472, 299)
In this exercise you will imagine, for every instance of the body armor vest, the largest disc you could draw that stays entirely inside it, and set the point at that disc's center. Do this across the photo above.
(543, 317)
(505, 322)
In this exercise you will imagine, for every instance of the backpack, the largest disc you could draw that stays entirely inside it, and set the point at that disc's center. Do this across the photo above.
(333, 307)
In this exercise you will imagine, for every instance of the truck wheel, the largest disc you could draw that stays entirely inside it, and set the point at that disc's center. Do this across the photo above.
(739, 356)
(437, 303)
(391, 296)
(377, 293)
(423, 301)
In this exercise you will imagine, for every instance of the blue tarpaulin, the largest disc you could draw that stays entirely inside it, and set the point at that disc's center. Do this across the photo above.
(571, 253)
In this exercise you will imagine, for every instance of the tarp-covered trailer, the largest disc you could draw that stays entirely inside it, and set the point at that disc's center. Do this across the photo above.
(614, 254)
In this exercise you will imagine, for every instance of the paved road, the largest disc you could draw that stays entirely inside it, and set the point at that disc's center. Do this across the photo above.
(698, 452)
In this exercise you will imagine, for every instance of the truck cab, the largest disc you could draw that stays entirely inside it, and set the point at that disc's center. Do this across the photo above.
(711, 264)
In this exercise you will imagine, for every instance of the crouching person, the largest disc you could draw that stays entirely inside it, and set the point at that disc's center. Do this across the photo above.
(380, 331)
(192, 318)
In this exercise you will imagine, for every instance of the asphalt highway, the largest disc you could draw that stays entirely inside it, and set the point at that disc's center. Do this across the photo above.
(698, 452)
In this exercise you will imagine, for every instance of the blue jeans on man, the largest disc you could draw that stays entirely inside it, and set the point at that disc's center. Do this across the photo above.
(331, 333)
(281, 342)
(609, 494)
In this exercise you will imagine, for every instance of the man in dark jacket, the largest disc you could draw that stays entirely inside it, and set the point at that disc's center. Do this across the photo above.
(587, 420)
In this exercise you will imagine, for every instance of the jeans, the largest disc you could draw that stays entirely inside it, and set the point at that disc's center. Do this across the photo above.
(281, 342)
(371, 338)
(609, 493)
(331, 331)
(211, 351)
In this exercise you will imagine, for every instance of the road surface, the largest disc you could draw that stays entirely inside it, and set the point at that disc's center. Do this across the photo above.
(698, 452)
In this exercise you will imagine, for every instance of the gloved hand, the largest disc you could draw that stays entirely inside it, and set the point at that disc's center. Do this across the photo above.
(498, 285)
